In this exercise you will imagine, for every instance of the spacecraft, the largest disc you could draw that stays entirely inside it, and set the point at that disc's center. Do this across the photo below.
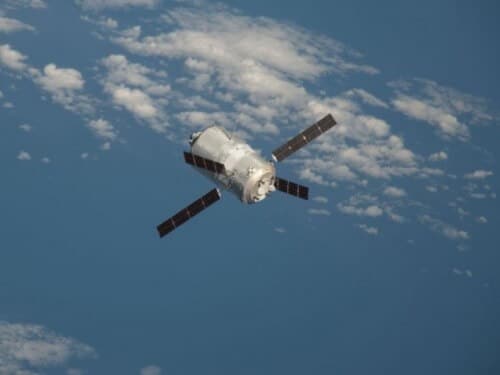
(235, 166)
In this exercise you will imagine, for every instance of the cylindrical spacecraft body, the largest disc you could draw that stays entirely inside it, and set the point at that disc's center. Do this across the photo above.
(248, 175)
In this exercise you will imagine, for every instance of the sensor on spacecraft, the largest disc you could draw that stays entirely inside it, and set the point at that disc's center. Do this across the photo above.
(235, 166)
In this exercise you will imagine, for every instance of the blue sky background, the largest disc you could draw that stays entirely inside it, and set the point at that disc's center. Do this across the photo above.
(390, 268)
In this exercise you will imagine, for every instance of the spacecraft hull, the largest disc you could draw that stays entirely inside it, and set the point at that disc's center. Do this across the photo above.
(247, 174)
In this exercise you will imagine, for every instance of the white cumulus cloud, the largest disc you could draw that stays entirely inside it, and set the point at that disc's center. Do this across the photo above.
(10, 25)
(103, 129)
(394, 192)
(35, 4)
(447, 123)
(320, 199)
(370, 211)
(319, 211)
(443, 228)
(27, 348)
(478, 175)
(11, 58)
(23, 155)
(438, 156)
(25, 127)
(65, 86)
(450, 111)
(368, 229)
(151, 370)
(102, 4)
(140, 90)
(56, 79)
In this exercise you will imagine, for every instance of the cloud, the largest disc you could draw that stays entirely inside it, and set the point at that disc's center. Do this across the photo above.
(23, 155)
(478, 195)
(250, 74)
(151, 370)
(134, 100)
(35, 4)
(461, 212)
(394, 192)
(320, 199)
(478, 175)
(367, 98)
(137, 88)
(321, 211)
(11, 58)
(56, 80)
(25, 348)
(431, 189)
(45, 160)
(97, 5)
(10, 25)
(481, 220)
(244, 48)
(394, 216)
(459, 272)
(370, 211)
(445, 108)
(122, 72)
(447, 124)
(106, 23)
(103, 129)
(280, 230)
(25, 127)
(443, 228)
(366, 205)
(370, 230)
(438, 156)
(65, 86)
(253, 65)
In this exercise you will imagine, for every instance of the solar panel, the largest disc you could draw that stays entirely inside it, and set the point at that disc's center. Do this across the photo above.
(201, 162)
(187, 213)
(304, 137)
(291, 188)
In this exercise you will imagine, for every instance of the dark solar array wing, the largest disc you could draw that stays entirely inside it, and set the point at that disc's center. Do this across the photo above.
(291, 188)
(207, 164)
(187, 213)
(304, 137)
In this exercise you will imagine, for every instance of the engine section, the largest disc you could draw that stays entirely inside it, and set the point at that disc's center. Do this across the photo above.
(248, 175)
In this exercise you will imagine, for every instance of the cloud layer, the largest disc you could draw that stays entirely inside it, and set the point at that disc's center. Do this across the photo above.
(25, 348)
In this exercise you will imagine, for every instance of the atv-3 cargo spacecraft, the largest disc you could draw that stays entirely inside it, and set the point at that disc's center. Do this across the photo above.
(235, 166)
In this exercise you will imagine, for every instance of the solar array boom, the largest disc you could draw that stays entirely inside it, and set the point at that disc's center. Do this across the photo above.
(187, 213)
(304, 138)
(291, 188)
(204, 163)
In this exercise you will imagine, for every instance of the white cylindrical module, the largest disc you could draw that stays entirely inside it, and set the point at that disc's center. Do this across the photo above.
(248, 175)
